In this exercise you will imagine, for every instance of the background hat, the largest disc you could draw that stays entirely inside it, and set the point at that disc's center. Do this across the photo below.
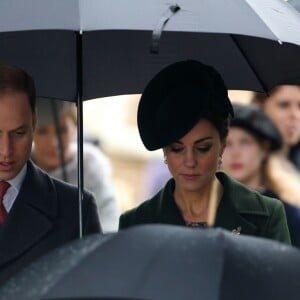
(45, 109)
(254, 120)
(175, 99)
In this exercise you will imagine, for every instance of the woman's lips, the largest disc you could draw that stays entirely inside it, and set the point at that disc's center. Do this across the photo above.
(236, 166)
(291, 130)
(190, 176)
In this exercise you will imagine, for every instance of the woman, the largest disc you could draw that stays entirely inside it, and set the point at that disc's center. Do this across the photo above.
(97, 169)
(186, 111)
(251, 139)
(282, 106)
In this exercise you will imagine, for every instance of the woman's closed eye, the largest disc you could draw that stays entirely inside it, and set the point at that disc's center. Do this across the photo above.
(176, 149)
(283, 104)
(203, 149)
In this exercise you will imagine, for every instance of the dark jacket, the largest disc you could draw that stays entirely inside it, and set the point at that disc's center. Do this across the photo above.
(241, 210)
(292, 215)
(43, 216)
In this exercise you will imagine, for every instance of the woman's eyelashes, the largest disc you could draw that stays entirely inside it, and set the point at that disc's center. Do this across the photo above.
(200, 149)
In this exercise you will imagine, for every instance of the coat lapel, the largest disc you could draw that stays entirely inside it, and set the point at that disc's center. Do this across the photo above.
(30, 218)
(236, 212)
(236, 205)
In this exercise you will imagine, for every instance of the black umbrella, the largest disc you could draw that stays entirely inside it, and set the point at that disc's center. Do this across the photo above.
(95, 49)
(162, 262)
(83, 49)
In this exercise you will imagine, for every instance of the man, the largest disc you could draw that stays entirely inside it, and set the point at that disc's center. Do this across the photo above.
(37, 212)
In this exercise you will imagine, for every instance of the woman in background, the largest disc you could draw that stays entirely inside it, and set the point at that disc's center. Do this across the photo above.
(252, 138)
(282, 106)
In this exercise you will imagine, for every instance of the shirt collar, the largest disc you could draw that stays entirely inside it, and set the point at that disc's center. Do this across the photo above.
(17, 181)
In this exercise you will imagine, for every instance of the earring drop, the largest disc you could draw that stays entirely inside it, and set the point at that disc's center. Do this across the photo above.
(165, 160)
(219, 162)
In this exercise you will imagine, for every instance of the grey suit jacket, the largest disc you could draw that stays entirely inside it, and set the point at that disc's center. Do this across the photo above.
(43, 217)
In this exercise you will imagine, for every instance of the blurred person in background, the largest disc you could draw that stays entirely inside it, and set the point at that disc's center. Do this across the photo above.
(251, 139)
(55, 151)
(185, 111)
(282, 106)
(155, 175)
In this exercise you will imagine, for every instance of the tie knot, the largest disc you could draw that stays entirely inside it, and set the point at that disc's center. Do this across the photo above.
(4, 185)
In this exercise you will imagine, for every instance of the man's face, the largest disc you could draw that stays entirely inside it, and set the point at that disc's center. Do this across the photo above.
(17, 124)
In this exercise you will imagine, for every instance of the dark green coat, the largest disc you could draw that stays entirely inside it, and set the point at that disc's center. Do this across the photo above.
(240, 210)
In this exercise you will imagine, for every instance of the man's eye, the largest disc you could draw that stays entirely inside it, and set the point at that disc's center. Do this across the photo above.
(19, 132)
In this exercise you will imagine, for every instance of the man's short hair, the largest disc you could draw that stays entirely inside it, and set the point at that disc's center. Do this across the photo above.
(15, 79)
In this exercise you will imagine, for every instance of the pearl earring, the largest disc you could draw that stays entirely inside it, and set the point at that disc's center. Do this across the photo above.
(165, 160)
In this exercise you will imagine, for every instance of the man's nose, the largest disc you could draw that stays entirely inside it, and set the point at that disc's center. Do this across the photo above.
(5, 145)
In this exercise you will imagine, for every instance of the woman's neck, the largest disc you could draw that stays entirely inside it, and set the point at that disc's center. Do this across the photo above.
(285, 150)
(194, 206)
(255, 182)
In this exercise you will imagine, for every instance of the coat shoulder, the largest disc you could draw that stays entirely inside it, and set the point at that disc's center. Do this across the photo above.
(247, 200)
(142, 214)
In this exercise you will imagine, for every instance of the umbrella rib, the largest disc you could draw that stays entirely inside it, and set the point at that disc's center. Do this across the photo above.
(248, 62)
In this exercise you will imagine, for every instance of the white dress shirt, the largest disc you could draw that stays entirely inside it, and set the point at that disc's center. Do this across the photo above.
(13, 191)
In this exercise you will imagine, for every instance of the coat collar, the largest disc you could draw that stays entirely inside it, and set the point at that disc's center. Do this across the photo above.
(236, 204)
(31, 215)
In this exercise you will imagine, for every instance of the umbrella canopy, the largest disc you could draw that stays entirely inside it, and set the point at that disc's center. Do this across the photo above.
(162, 262)
(100, 49)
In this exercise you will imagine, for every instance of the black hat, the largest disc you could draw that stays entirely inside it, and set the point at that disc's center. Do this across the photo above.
(175, 99)
(254, 120)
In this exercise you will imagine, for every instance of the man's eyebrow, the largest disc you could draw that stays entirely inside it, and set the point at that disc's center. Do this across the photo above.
(19, 128)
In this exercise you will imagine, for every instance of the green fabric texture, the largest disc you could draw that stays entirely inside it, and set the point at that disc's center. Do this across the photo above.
(241, 210)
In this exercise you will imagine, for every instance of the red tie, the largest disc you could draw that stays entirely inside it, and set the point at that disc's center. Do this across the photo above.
(3, 188)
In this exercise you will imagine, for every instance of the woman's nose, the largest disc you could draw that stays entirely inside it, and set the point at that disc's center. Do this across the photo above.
(190, 159)
(295, 111)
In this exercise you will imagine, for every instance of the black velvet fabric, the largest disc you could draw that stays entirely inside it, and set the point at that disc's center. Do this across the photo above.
(176, 98)
(254, 120)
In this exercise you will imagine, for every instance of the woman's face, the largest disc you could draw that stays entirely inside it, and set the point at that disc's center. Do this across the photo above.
(193, 159)
(46, 144)
(243, 155)
(283, 107)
